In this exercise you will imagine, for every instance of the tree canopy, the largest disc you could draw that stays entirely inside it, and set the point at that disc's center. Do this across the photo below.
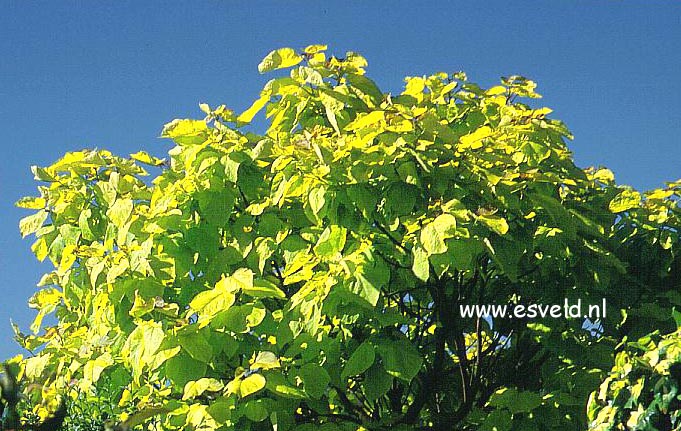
(309, 276)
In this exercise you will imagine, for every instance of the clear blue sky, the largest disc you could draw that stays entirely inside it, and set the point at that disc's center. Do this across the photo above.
(78, 75)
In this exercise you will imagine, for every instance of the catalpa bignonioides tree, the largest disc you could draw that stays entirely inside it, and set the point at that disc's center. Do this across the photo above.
(310, 277)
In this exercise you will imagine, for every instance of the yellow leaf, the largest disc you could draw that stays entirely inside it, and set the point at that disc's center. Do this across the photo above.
(146, 158)
(251, 385)
(186, 132)
(366, 120)
(32, 223)
(415, 87)
(495, 223)
(474, 140)
(313, 49)
(31, 203)
(624, 201)
(195, 388)
(279, 59)
(265, 361)
(247, 115)
(495, 91)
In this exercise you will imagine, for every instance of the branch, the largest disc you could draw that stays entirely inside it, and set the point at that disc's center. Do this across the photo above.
(352, 407)
(385, 232)
(428, 382)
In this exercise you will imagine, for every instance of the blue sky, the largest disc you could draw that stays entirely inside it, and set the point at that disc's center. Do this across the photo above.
(77, 75)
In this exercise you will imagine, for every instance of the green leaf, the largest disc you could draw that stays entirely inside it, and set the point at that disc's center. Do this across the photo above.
(262, 288)
(331, 242)
(516, 401)
(400, 359)
(317, 199)
(197, 346)
(360, 360)
(256, 410)
(278, 384)
(315, 379)
(93, 369)
(210, 302)
(141, 345)
(366, 86)
(378, 382)
(278, 59)
(560, 215)
(372, 276)
(676, 315)
(497, 420)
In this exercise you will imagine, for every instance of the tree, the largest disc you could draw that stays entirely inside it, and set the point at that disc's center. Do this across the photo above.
(310, 277)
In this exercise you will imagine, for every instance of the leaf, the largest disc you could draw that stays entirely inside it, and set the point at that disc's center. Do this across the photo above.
(251, 384)
(278, 384)
(372, 276)
(624, 201)
(420, 266)
(315, 379)
(248, 114)
(400, 359)
(93, 369)
(366, 86)
(558, 213)
(197, 346)
(141, 345)
(495, 223)
(147, 159)
(120, 212)
(317, 199)
(434, 234)
(210, 302)
(198, 418)
(256, 411)
(195, 388)
(516, 401)
(365, 120)
(33, 203)
(360, 360)
(262, 288)
(414, 87)
(474, 140)
(331, 241)
(313, 49)
(186, 132)
(278, 59)
(497, 420)
(677, 317)
(378, 382)
(32, 223)
(265, 361)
